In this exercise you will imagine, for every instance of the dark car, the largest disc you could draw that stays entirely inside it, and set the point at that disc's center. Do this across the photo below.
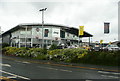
(97, 47)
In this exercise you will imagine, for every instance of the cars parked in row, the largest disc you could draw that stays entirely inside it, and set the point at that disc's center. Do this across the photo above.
(112, 47)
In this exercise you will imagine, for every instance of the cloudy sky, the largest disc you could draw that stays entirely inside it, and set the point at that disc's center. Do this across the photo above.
(90, 13)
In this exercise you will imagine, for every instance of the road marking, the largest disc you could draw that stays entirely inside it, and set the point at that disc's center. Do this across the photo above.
(6, 79)
(5, 65)
(110, 76)
(108, 72)
(14, 75)
(65, 70)
(23, 62)
(86, 67)
(65, 65)
(26, 62)
(88, 80)
(11, 76)
(55, 69)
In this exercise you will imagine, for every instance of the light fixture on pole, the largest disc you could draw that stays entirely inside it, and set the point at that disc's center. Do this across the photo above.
(42, 25)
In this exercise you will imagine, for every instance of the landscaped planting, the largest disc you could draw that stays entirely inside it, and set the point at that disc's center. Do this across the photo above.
(74, 55)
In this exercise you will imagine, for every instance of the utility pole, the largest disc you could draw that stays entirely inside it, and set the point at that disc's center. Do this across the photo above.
(44, 9)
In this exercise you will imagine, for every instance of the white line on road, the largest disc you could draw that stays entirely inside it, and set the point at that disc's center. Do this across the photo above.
(5, 65)
(108, 72)
(11, 76)
(110, 76)
(14, 75)
(26, 62)
(65, 70)
(55, 69)
(52, 68)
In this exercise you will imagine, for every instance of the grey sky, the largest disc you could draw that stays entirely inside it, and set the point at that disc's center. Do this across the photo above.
(90, 13)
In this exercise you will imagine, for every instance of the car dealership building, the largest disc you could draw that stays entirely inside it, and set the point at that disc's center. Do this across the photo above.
(34, 35)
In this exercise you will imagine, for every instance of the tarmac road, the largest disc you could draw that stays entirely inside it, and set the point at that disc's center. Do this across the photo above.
(21, 68)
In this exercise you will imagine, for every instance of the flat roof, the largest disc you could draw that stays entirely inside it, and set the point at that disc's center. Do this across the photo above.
(71, 30)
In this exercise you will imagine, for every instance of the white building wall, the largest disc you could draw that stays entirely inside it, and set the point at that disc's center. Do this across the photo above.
(34, 33)
(52, 34)
(70, 36)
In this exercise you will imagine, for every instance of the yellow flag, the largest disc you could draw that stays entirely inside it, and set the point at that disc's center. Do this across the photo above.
(110, 43)
(101, 41)
(81, 30)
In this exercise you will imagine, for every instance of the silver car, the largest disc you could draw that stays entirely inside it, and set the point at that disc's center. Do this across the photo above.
(112, 47)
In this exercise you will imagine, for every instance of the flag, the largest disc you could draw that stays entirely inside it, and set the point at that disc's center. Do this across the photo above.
(101, 41)
(110, 43)
(81, 30)
(106, 28)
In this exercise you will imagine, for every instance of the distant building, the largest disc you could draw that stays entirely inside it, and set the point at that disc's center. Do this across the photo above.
(30, 35)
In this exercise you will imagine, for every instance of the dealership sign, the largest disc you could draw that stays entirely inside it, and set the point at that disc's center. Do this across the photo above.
(56, 33)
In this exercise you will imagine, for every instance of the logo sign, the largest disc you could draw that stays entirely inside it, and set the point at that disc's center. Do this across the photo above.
(81, 30)
(56, 32)
(106, 28)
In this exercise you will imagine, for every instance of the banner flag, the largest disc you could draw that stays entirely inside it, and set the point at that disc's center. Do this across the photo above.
(101, 41)
(110, 43)
(81, 30)
(106, 28)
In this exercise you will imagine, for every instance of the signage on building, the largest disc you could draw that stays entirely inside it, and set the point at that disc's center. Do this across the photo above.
(56, 32)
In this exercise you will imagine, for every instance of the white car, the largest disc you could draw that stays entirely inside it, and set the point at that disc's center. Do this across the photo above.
(112, 47)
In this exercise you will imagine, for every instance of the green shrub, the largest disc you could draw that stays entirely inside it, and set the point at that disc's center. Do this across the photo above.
(74, 55)
(41, 57)
(37, 51)
(10, 50)
(53, 47)
(66, 55)
(5, 45)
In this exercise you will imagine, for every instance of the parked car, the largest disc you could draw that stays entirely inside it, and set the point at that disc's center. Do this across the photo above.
(97, 47)
(112, 47)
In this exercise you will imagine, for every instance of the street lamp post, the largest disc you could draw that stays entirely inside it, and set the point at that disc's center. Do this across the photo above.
(42, 25)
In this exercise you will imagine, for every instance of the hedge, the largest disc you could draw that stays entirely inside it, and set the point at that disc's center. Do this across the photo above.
(73, 55)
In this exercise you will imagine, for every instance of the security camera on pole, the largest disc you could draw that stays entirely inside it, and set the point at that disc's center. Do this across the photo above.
(42, 25)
